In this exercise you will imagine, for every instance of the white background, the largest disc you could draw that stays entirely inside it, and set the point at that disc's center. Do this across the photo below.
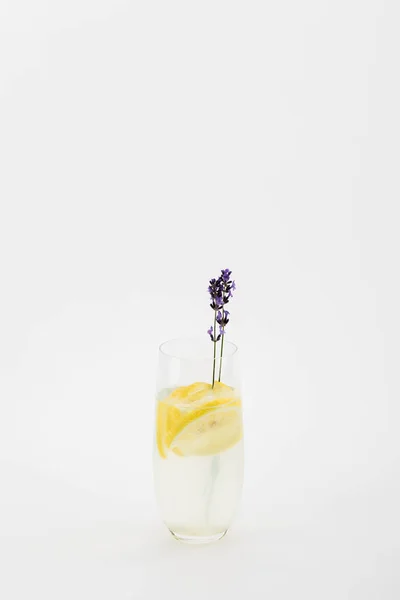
(144, 146)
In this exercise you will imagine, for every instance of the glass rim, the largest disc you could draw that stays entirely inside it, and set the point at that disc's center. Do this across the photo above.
(228, 345)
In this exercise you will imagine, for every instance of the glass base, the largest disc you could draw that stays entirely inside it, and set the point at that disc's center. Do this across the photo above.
(198, 539)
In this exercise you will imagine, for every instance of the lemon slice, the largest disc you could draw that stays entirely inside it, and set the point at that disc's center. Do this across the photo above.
(185, 405)
(212, 433)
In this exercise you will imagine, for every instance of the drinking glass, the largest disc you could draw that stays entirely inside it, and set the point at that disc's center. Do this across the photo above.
(198, 448)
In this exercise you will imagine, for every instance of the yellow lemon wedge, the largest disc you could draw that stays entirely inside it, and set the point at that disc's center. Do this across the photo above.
(191, 404)
(211, 433)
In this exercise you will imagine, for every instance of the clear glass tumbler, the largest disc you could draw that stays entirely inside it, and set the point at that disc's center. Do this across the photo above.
(198, 449)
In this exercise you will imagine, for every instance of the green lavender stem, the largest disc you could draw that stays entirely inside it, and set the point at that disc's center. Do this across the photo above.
(220, 358)
(215, 346)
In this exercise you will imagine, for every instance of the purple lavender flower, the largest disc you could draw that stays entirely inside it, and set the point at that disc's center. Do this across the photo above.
(216, 291)
(212, 287)
(225, 274)
(213, 338)
(217, 302)
(222, 318)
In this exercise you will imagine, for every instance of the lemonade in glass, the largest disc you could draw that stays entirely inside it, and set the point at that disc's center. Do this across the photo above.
(198, 446)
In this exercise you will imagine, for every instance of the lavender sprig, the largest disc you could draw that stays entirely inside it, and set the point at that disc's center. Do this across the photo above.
(220, 291)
